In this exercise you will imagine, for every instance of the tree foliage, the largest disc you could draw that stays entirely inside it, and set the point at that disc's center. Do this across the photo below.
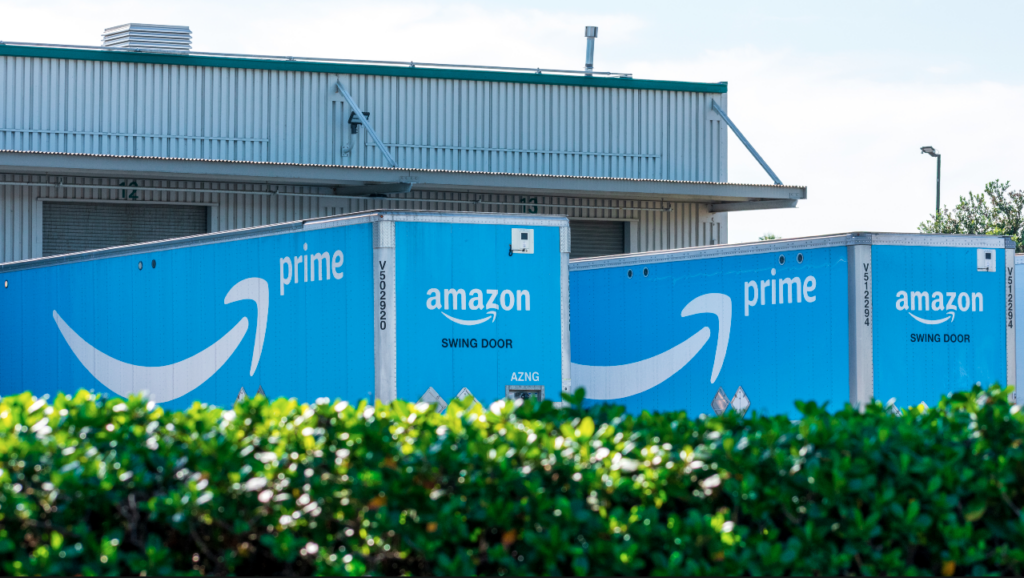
(998, 211)
(90, 485)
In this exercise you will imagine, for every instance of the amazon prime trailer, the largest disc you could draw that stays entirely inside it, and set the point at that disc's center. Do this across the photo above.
(833, 319)
(380, 305)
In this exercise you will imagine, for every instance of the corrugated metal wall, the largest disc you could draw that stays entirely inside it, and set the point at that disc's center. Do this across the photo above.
(80, 106)
(672, 225)
(74, 227)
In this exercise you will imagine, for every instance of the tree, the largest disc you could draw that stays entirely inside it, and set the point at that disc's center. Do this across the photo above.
(767, 237)
(999, 211)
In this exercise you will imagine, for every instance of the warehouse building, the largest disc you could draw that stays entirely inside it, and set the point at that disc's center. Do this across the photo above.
(142, 139)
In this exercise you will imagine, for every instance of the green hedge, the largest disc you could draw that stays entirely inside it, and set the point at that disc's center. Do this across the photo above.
(91, 485)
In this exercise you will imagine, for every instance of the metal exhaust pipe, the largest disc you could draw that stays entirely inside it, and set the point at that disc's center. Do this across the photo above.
(591, 34)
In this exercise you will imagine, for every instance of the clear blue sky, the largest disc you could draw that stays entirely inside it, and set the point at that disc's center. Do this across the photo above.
(838, 97)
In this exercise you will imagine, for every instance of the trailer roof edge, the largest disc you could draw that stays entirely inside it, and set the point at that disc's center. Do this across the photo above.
(317, 223)
(777, 245)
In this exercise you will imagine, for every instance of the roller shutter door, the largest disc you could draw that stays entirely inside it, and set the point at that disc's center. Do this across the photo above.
(597, 238)
(73, 227)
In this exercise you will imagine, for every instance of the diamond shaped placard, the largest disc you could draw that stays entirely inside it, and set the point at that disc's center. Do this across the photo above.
(740, 401)
(721, 403)
(431, 396)
(241, 395)
(464, 393)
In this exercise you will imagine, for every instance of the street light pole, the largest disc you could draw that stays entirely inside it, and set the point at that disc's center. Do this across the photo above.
(938, 175)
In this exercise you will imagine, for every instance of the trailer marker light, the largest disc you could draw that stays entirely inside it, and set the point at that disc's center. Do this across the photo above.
(5, 284)
(140, 265)
(799, 257)
(645, 271)
(629, 273)
(782, 259)
(154, 263)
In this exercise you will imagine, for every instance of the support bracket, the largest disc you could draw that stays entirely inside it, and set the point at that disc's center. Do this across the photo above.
(746, 143)
(366, 123)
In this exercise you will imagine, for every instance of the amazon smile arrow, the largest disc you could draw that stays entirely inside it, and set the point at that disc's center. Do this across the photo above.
(491, 316)
(169, 382)
(619, 381)
(950, 317)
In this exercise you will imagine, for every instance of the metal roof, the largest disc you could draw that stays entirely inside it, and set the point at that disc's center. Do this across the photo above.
(339, 66)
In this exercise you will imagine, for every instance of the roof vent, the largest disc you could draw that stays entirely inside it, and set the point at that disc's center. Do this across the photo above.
(591, 34)
(148, 37)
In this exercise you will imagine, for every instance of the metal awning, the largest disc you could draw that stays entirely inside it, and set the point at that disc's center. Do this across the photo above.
(383, 180)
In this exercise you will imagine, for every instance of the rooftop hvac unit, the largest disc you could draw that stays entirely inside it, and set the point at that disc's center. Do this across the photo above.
(148, 37)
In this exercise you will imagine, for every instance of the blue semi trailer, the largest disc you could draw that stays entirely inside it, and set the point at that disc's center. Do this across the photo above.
(836, 319)
(381, 305)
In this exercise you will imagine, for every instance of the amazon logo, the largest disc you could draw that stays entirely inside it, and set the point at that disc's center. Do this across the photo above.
(935, 307)
(478, 305)
(169, 382)
(606, 382)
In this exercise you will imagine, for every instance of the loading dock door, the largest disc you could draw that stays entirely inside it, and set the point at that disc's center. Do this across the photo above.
(597, 238)
(73, 227)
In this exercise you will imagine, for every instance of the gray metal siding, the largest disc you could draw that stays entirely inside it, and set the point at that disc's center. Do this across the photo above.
(670, 225)
(77, 106)
(70, 227)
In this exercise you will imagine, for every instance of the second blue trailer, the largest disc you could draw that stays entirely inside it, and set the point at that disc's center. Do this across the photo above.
(834, 319)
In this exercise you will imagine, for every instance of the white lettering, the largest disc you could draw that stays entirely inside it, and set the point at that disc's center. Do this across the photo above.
(511, 300)
(902, 301)
(433, 299)
(748, 301)
(810, 283)
(476, 299)
(493, 294)
(455, 293)
(320, 263)
(782, 293)
(919, 301)
(939, 301)
(285, 280)
(336, 262)
(520, 294)
(788, 284)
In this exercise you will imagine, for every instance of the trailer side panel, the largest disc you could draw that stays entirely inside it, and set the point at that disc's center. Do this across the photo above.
(288, 313)
(668, 335)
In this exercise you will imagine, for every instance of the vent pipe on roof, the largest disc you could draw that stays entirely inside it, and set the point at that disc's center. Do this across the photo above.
(591, 34)
(148, 37)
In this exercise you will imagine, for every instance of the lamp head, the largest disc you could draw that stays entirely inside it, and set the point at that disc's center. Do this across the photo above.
(929, 151)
